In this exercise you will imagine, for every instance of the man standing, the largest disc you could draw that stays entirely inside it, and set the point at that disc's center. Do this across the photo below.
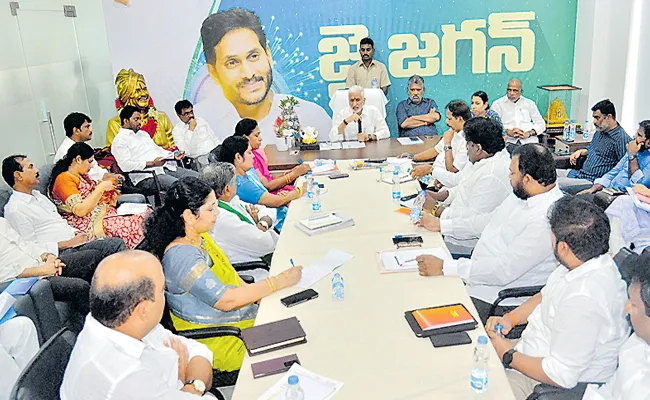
(193, 135)
(417, 115)
(134, 149)
(515, 248)
(607, 147)
(358, 121)
(520, 117)
(576, 324)
(239, 62)
(368, 72)
(122, 351)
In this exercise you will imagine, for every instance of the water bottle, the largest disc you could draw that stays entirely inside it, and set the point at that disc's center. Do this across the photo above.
(315, 198)
(479, 377)
(338, 287)
(310, 183)
(566, 134)
(381, 174)
(416, 211)
(585, 130)
(572, 131)
(425, 179)
(498, 329)
(397, 191)
(294, 391)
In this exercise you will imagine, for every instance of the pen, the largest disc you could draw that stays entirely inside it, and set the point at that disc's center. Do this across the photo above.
(291, 261)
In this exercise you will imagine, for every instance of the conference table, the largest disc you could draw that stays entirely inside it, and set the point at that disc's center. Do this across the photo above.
(364, 340)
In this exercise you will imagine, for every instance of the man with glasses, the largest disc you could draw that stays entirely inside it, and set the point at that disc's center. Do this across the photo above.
(193, 135)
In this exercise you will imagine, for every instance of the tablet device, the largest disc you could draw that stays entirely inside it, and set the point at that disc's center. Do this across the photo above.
(449, 318)
(450, 339)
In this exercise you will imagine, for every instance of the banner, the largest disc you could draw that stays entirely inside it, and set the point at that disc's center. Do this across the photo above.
(457, 47)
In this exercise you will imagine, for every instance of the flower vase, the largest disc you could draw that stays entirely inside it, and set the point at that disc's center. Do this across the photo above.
(282, 144)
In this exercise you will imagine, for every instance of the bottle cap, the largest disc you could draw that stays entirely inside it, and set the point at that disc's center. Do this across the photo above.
(293, 380)
(482, 340)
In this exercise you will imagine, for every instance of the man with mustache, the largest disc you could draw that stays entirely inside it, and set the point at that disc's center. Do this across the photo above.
(633, 168)
(368, 73)
(516, 247)
(239, 62)
(417, 115)
(359, 121)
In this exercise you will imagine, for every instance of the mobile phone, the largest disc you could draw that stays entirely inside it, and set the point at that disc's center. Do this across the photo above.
(409, 197)
(450, 339)
(376, 160)
(407, 240)
(299, 297)
(294, 152)
(339, 175)
(415, 139)
(614, 191)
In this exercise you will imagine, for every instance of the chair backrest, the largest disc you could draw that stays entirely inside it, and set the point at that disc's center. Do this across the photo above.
(215, 154)
(42, 377)
(45, 173)
(5, 193)
(623, 258)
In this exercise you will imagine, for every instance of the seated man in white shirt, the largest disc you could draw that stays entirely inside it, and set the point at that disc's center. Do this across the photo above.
(122, 351)
(359, 121)
(135, 150)
(483, 185)
(193, 135)
(632, 378)
(243, 231)
(450, 154)
(37, 220)
(515, 248)
(520, 117)
(18, 344)
(576, 324)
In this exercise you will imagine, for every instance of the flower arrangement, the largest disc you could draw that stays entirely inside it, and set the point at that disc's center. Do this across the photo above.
(309, 135)
(287, 123)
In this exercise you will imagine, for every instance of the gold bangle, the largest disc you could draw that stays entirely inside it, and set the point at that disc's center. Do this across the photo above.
(299, 189)
(270, 283)
(274, 288)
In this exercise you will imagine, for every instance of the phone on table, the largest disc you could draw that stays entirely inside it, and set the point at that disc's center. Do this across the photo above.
(450, 339)
(414, 139)
(376, 160)
(339, 175)
(407, 241)
(409, 197)
(299, 297)
(614, 191)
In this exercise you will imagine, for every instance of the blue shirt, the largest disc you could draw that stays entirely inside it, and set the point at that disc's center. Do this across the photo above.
(605, 150)
(250, 189)
(619, 176)
(490, 113)
(407, 108)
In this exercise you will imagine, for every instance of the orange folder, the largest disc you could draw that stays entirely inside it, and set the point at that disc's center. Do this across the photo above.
(441, 317)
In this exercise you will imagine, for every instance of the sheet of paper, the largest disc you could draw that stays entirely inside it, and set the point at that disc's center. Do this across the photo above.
(398, 161)
(322, 267)
(316, 387)
(635, 198)
(132, 208)
(330, 146)
(6, 301)
(402, 179)
(404, 260)
(406, 141)
(354, 145)
(321, 221)
(323, 169)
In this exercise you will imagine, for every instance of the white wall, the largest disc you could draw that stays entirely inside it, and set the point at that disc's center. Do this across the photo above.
(41, 68)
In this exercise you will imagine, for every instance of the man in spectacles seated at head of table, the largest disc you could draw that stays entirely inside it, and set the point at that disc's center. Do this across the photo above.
(359, 121)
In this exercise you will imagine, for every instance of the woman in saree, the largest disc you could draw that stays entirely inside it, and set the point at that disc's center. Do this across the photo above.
(87, 205)
(201, 286)
(249, 129)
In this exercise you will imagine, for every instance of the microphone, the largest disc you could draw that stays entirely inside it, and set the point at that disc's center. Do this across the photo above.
(359, 122)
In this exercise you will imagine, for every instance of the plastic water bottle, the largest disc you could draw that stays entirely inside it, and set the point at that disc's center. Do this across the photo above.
(310, 184)
(498, 329)
(338, 287)
(572, 131)
(294, 391)
(425, 179)
(416, 211)
(381, 174)
(315, 198)
(479, 377)
(397, 191)
(585, 130)
(566, 134)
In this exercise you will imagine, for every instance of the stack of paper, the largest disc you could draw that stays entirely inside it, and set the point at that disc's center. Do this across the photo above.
(324, 223)
(330, 146)
(404, 260)
(405, 141)
(322, 267)
(638, 199)
(316, 387)
(354, 145)
(324, 169)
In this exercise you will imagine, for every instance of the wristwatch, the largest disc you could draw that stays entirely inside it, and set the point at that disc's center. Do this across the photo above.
(507, 358)
(447, 148)
(198, 385)
(631, 157)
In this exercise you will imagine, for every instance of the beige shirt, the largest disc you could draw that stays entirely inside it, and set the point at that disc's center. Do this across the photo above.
(358, 74)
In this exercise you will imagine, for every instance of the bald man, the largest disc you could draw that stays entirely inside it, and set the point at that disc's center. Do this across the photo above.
(520, 117)
(123, 352)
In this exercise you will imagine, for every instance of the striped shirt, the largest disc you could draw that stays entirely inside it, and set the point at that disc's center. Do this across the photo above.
(604, 152)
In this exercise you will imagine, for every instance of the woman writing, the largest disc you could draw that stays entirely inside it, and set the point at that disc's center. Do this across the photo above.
(249, 129)
(201, 287)
(87, 205)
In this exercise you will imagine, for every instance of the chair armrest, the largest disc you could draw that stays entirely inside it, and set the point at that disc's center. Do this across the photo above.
(247, 278)
(524, 291)
(247, 266)
(215, 331)
(580, 162)
(544, 391)
(156, 194)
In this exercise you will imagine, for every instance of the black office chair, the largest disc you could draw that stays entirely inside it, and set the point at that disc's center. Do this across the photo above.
(42, 377)
(544, 391)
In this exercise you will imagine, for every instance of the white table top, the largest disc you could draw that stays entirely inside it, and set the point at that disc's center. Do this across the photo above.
(364, 340)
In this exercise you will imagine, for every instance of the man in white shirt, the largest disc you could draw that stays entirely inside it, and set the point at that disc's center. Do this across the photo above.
(193, 135)
(632, 378)
(36, 219)
(18, 344)
(450, 153)
(520, 117)
(243, 231)
(78, 129)
(134, 149)
(122, 351)
(515, 248)
(577, 323)
(359, 121)
(484, 184)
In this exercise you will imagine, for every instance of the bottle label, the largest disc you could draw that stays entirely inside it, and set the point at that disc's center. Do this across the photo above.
(397, 195)
(479, 380)
(315, 206)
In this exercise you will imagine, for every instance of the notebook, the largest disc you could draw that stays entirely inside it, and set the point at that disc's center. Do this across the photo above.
(442, 319)
(20, 286)
(273, 336)
(324, 223)
(274, 366)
